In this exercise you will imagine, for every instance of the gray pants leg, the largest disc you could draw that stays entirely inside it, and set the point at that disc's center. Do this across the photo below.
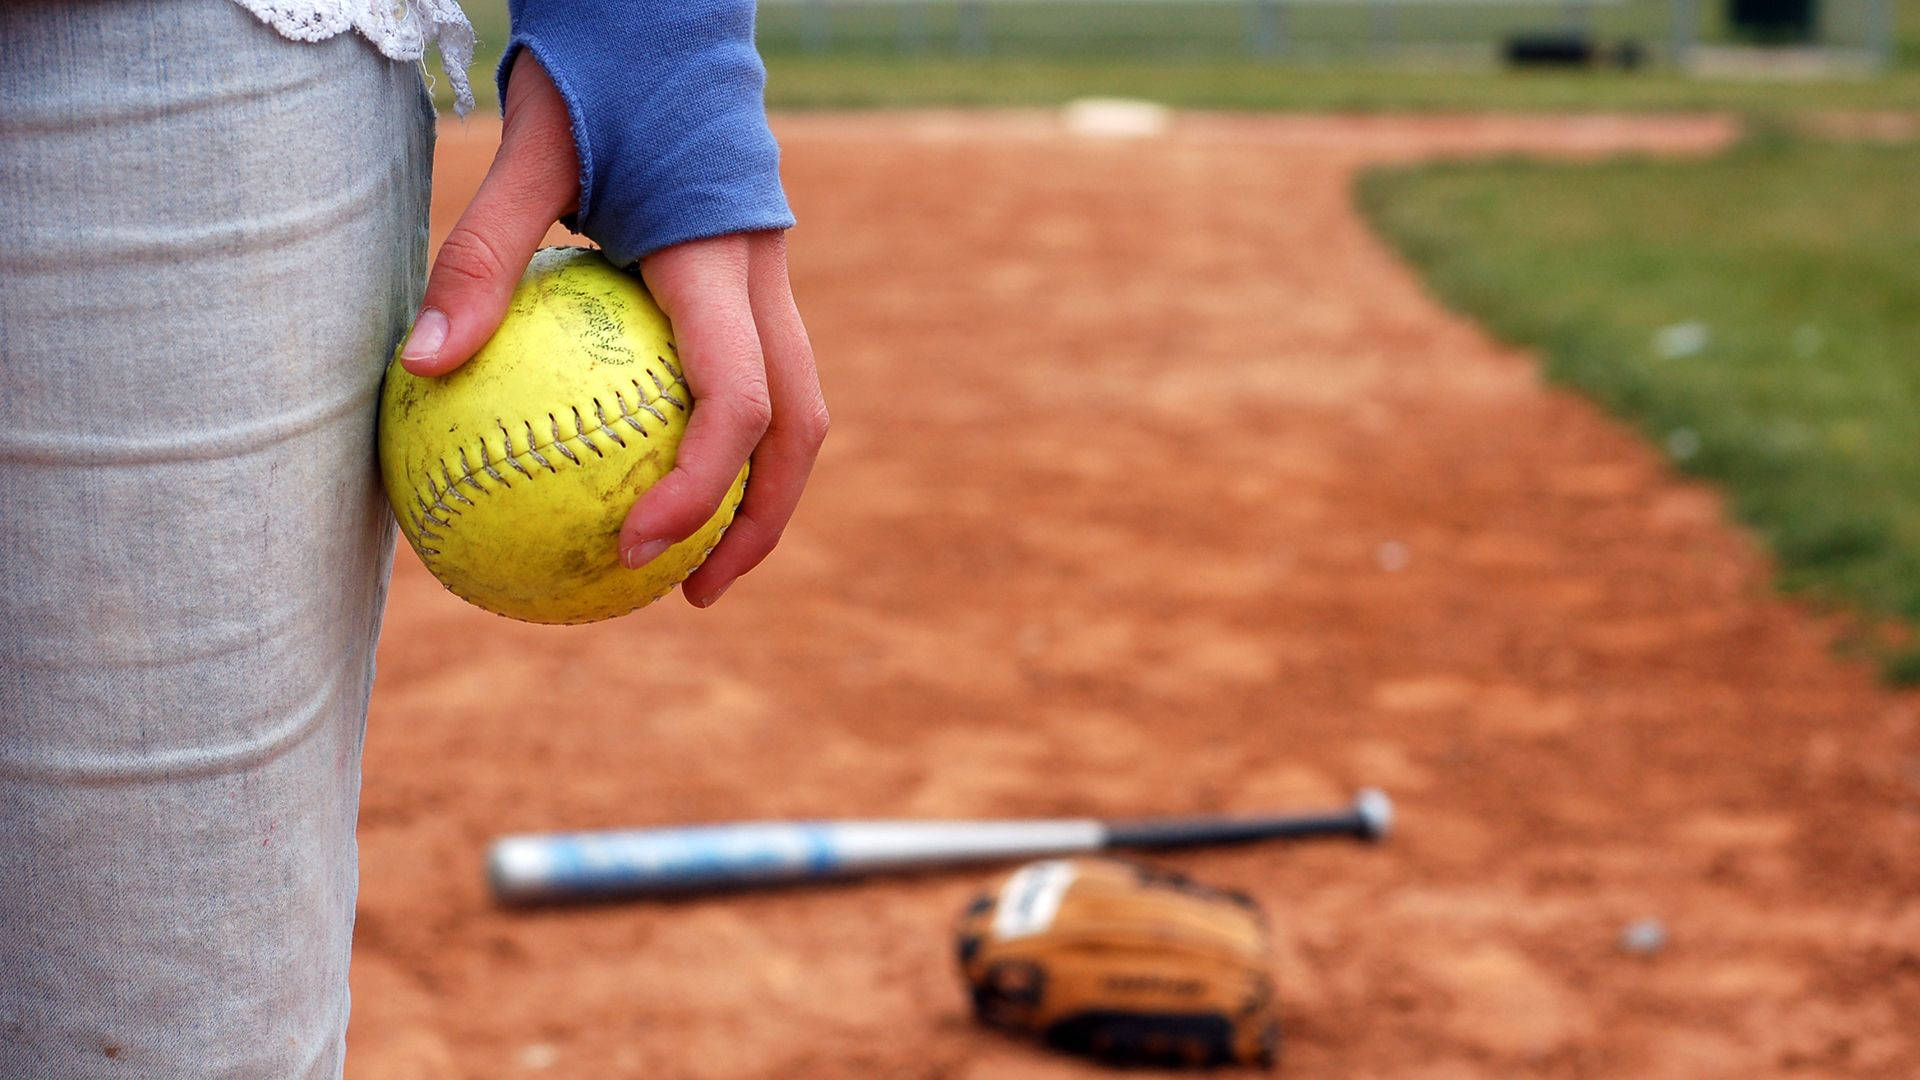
(210, 240)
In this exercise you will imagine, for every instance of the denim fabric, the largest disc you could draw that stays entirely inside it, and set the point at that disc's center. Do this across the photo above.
(210, 240)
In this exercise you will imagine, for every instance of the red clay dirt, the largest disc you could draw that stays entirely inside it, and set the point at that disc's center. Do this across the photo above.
(1158, 485)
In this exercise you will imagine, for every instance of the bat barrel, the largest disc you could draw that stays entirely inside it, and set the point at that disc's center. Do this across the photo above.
(579, 866)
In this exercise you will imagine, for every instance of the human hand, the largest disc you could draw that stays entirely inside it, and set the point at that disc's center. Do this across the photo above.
(740, 338)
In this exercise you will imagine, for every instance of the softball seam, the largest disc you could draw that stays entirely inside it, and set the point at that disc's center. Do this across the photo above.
(441, 512)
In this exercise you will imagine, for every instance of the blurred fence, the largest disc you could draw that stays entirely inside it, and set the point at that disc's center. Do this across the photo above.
(1448, 31)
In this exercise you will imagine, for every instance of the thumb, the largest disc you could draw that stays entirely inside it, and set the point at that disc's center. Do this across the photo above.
(534, 179)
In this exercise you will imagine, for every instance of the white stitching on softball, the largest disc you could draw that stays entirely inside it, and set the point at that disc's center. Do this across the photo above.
(431, 511)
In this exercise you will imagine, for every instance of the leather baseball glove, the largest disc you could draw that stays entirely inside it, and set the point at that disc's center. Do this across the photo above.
(1122, 962)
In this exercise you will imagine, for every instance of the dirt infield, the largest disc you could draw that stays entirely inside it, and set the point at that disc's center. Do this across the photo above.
(1157, 485)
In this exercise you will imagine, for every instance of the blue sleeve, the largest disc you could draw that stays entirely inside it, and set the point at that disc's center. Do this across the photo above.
(667, 100)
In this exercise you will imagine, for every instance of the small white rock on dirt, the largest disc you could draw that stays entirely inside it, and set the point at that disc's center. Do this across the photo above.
(1643, 937)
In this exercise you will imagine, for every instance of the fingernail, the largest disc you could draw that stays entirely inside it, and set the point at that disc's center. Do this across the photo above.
(429, 333)
(715, 596)
(643, 553)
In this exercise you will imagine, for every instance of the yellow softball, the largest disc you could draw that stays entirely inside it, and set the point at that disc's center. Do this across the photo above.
(512, 475)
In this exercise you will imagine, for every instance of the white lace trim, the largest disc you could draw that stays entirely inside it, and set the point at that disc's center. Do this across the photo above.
(400, 29)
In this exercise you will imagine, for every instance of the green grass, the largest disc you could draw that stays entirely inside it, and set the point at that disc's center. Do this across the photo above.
(1198, 27)
(1799, 260)
(797, 82)
(1193, 55)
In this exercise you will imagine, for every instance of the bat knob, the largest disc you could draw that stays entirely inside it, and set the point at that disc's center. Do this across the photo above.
(1374, 811)
(518, 868)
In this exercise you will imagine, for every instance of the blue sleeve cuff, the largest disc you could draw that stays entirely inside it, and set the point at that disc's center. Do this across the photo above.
(667, 101)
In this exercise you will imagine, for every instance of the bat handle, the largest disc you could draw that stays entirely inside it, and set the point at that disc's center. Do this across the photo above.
(1369, 818)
